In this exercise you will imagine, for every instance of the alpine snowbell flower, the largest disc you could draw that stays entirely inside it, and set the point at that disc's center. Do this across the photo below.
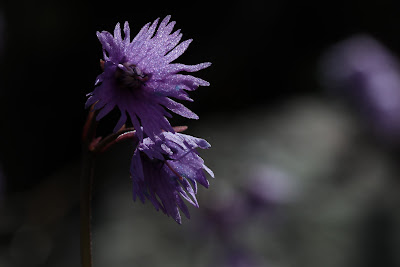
(167, 169)
(140, 79)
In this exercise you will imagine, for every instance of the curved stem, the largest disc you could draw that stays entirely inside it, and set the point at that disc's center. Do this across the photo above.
(101, 145)
(89, 132)
(85, 208)
(89, 129)
(92, 146)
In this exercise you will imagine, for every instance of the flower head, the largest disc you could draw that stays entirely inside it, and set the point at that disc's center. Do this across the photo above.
(140, 79)
(368, 74)
(165, 170)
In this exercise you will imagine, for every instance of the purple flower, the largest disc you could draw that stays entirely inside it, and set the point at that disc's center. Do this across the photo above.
(165, 170)
(140, 79)
(269, 187)
(368, 74)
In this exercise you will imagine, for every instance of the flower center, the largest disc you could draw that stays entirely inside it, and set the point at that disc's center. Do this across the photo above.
(130, 76)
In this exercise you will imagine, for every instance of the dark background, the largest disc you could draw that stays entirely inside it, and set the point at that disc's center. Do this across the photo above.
(264, 54)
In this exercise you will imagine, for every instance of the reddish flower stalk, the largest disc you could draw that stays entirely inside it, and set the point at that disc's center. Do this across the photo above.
(99, 145)
(92, 146)
(86, 191)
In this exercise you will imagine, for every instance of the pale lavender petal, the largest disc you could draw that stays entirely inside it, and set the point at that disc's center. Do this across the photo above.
(105, 110)
(117, 35)
(175, 68)
(174, 40)
(179, 50)
(142, 32)
(179, 109)
(210, 172)
(182, 207)
(121, 122)
(127, 33)
(136, 125)
(152, 29)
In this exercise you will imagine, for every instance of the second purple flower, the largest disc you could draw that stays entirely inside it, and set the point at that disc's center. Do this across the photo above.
(168, 169)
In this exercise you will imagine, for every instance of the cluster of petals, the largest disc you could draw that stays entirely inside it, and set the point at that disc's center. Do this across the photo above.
(152, 80)
(140, 79)
(167, 170)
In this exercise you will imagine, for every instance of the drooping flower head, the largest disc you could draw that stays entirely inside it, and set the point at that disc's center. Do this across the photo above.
(140, 79)
(165, 170)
